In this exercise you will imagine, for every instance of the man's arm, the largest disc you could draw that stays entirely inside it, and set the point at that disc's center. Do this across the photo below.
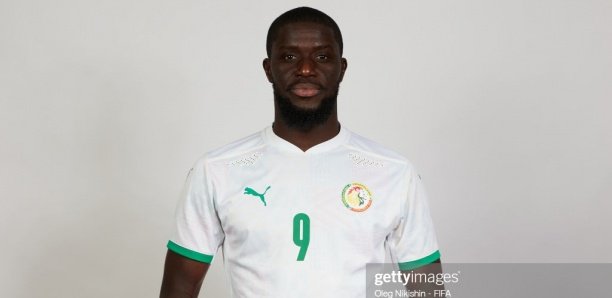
(429, 287)
(183, 277)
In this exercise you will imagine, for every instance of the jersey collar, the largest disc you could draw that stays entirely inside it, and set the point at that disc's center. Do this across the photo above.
(283, 145)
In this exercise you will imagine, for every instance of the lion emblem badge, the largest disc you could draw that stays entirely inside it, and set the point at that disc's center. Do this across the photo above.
(356, 197)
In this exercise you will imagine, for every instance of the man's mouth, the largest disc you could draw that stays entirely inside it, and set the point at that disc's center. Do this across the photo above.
(305, 89)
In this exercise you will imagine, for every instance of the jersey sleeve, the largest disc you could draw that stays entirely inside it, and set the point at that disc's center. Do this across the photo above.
(198, 233)
(413, 243)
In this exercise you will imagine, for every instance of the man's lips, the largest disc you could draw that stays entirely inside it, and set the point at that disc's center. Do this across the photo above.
(305, 89)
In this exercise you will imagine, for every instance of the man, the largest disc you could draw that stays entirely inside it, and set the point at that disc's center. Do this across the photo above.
(302, 206)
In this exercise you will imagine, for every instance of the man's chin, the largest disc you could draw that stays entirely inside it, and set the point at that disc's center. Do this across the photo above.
(309, 104)
(304, 113)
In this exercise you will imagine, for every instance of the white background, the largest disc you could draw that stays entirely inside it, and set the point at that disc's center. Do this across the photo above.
(105, 105)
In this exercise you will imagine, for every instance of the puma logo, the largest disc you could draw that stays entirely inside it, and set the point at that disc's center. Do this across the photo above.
(252, 192)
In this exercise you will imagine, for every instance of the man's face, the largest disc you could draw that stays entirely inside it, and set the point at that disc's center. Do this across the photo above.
(305, 67)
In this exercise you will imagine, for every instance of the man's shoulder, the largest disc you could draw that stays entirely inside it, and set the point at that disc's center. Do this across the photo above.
(243, 147)
(368, 148)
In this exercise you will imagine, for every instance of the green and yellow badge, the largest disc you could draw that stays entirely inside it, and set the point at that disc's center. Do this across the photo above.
(356, 197)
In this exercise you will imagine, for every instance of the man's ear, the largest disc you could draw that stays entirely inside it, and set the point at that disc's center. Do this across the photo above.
(266, 67)
(343, 69)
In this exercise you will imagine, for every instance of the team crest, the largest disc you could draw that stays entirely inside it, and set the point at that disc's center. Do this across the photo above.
(356, 197)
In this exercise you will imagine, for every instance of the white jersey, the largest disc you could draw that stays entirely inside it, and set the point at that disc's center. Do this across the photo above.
(303, 224)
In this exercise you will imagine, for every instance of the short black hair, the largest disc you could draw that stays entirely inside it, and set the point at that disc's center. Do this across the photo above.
(302, 14)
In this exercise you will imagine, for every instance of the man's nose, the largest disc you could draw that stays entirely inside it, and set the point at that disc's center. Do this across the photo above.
(306, 68)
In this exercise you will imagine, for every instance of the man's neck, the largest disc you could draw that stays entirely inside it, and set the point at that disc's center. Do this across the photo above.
(307, 139)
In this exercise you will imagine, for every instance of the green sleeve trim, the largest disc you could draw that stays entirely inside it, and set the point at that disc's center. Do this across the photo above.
(420, 262)
(188, 253)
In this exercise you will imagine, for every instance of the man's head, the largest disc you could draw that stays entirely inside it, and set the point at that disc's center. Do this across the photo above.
(302, 15)
(305, 66)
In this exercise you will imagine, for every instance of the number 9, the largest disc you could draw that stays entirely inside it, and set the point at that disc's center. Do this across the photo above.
(301, 234)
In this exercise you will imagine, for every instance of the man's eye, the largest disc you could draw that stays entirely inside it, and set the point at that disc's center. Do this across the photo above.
(289, 57)
(323, 57)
